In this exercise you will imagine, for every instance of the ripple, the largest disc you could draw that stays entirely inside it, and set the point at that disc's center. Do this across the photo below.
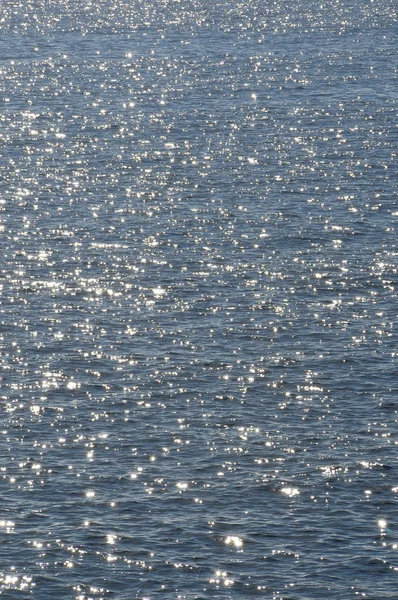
(198, 277)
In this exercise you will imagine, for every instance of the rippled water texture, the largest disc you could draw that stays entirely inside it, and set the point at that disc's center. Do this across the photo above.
(198, 316)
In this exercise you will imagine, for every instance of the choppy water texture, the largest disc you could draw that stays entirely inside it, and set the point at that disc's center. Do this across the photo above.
(199, 297)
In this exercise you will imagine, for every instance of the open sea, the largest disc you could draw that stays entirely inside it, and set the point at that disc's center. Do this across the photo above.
(199, 299)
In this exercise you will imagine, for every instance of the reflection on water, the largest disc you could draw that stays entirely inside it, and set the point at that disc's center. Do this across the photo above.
(198, 265)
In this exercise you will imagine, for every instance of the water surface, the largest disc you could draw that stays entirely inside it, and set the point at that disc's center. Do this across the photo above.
(198, 269)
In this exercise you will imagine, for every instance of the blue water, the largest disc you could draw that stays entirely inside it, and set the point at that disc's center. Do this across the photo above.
(198, 316)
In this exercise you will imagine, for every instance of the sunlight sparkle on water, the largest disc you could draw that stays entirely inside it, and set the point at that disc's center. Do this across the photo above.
(234, 540)
(198, 218)
(182, 486)
(289, 491)
(111, 539)
(220, 577)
